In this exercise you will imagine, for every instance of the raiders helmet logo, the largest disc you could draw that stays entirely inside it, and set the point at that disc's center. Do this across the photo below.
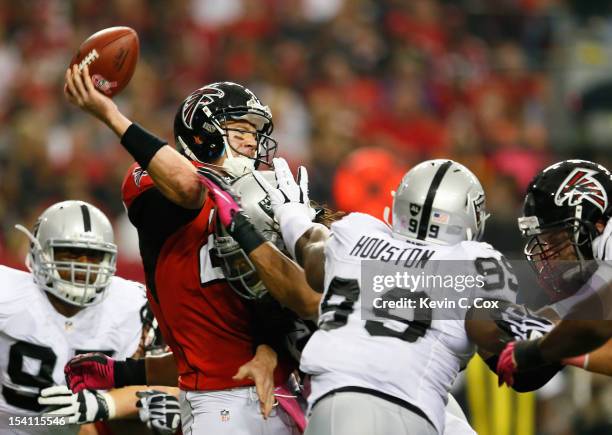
(266, 206)
(414, 209)
(579, 186)
(201, 97)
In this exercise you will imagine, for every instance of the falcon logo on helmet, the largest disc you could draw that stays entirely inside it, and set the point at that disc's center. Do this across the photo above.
(201, 97)
(580, 185)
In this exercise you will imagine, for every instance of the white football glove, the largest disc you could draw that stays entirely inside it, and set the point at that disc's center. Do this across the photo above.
(84, 407)
(289, 202)
(288, 196)
(160, 411)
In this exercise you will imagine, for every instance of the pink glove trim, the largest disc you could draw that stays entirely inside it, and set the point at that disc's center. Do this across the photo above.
(291, 406)
(506, 367)
(226, 205)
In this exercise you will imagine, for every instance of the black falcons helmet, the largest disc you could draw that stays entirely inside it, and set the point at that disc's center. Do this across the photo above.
(198, 124)
(570, 196)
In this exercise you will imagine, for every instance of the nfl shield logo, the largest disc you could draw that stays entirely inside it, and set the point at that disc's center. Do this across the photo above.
(225, 415)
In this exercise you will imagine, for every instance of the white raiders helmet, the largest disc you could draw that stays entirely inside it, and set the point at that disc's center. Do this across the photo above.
(439, 201)
(237, 267)
(72, 225)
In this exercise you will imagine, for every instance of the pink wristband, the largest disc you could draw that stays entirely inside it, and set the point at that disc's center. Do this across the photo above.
(581, 361)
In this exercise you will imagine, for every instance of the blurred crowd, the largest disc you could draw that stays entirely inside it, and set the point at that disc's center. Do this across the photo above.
(360, 91)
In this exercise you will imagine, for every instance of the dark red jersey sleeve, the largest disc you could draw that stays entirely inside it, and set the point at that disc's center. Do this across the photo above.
(153, 215)
(136, 181)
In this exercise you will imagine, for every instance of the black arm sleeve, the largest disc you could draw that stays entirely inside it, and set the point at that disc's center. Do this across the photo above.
(155, 215)
(156, 218)
(270, 322)
(130, 372)
(279, 328)
(528, 380)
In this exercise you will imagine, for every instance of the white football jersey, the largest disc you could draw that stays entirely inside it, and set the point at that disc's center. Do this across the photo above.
(36, 342)
(414, 361)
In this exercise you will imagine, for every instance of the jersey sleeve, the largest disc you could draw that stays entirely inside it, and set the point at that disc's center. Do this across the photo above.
(148, 209)
(135, 182)
(602, 245)
(15, 287)
(129, 322)
(493, 273)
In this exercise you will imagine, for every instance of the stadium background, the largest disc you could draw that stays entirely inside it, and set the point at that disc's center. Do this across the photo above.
(360, 91)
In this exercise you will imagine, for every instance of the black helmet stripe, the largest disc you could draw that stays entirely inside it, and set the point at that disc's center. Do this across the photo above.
(86, 218)
(429, 199)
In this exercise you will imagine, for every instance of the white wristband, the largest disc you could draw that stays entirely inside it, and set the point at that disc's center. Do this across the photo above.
(293, 224)
(110, 402)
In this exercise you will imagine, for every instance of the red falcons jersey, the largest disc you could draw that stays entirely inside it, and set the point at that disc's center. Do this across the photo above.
(209, 328)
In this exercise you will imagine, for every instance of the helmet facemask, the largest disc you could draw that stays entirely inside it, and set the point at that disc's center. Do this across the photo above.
(237, 267)
(78, 282)
(237, 163)
(560, 254)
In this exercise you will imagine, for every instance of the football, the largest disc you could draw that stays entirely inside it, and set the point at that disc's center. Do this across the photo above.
(111, 55)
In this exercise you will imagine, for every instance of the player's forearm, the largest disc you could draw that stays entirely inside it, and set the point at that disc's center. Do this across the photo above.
(600, 360)
(486, 335)
(116, 121)
(285, 280)
(574, 337)
(161, 370)
(173, 174)
(176, 178)
(125, 401)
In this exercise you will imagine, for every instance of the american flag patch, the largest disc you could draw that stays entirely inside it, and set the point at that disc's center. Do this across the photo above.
(439, 218)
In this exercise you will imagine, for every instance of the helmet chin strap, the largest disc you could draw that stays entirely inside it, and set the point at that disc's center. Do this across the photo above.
(187, 151)
(236, 165)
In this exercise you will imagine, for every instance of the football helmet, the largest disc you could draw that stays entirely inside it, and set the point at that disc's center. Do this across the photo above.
(237, 267)
(72, 225)
(199, 126)
(562, 205)
(439, 201)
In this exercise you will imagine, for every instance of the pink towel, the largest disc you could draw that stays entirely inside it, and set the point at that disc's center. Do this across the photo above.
(291, 406)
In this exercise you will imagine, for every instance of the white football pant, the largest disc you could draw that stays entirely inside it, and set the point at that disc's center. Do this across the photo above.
(352, 413)
(231, 412)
